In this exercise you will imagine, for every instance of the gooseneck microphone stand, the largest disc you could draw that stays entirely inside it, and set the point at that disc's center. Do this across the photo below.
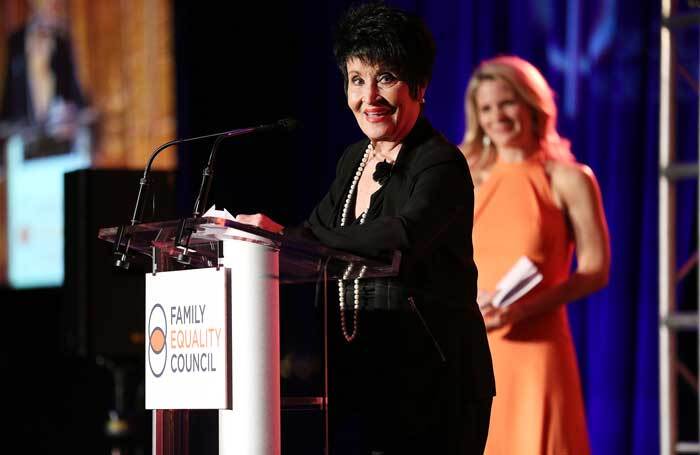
(123, 238)
(185, 227)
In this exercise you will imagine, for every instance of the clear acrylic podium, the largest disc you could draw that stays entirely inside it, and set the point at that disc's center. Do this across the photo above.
(259, 262)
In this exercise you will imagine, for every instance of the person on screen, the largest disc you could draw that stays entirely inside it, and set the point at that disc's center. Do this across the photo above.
(42, 96)
(406, 377)
(533, 200)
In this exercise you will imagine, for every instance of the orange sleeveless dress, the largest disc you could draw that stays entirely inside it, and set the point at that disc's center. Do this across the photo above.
(538, 408)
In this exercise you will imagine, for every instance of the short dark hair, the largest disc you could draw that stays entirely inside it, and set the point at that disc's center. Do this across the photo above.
(379, 34)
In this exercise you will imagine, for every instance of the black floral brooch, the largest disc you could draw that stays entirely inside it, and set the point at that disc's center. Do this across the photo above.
(382, 172)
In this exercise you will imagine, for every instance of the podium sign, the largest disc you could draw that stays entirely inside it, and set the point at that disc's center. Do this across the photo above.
(186, 343)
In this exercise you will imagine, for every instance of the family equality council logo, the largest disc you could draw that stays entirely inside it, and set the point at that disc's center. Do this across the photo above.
(192, 344)
(157, 346)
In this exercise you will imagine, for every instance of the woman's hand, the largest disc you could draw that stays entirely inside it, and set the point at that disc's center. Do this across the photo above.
(483, 298)
(260, 220)
(495, 317)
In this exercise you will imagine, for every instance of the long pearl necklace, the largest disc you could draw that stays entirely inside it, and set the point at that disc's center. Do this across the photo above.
(349, 337)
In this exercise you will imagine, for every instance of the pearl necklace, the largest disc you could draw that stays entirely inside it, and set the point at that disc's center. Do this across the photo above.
(349, 337)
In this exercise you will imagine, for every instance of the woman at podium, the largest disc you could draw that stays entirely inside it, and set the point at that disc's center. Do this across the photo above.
(405, 376)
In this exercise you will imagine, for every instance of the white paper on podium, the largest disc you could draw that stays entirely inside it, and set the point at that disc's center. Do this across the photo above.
(221, 232)
(521, 278)
(214, 213)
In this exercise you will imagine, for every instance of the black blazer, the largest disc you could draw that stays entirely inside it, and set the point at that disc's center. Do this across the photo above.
(425, 210)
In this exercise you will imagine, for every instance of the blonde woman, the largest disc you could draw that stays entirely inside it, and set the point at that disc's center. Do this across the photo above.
(533, 200)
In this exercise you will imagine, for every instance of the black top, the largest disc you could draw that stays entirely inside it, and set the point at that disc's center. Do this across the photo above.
(424, 209)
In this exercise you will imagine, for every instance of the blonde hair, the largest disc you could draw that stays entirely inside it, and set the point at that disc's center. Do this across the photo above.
(533, 89)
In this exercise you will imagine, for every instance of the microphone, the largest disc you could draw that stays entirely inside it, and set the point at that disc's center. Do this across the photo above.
(285, 125)
(123, 240)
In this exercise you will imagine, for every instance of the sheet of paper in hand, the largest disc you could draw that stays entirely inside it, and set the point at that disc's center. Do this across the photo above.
(520, 279)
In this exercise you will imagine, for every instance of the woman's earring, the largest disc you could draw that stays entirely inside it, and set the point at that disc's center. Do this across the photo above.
(485, 141)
